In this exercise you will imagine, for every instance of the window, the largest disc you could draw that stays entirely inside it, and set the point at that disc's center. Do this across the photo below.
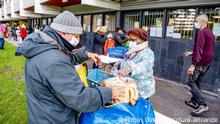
(181, 23)
(8, 2)
(79, 18)
(97, 21)
(30, 23)
(152, 20)
(86, 23)
(37, 23)
(52, 19)
(214, 20)
(44, 21)
(110, 21)
(49, 21)
(131, 20)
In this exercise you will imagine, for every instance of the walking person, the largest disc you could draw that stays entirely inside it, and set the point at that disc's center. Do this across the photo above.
(14, 31)
(23, 31)
(120, 36)
(202, 56)
(9, 33)
(99, 40)
(55, 92)
(3, 31)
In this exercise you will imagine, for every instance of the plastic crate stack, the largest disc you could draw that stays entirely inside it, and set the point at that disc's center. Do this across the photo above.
(96, 76)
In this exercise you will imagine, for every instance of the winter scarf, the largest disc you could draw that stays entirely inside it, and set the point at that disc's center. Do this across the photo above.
(134, 51)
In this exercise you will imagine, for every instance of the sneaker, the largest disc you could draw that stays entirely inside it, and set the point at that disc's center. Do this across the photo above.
(200, 110)
(192, 104)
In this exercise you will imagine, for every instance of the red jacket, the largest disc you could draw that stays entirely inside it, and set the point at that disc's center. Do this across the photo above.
(23, 32)
(108, 44)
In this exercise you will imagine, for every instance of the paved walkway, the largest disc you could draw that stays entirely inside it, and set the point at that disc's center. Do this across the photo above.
(169, 100)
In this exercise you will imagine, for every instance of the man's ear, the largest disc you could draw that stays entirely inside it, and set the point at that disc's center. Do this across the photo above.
(62, 33)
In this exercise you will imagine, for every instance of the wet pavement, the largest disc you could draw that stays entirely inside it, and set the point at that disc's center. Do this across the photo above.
(169, 101)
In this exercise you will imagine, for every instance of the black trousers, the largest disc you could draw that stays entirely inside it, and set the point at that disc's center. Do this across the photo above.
(194, 82)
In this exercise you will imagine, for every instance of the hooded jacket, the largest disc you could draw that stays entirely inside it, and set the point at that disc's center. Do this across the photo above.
(55, 93)
(98, 46)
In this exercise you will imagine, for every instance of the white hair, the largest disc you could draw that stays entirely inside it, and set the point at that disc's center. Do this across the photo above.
(203, 17)
(23, 26)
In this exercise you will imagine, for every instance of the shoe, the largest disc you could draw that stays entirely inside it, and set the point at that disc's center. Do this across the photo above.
(200, 110)
(192, 104)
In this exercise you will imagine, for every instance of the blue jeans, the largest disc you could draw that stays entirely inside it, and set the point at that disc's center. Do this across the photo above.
(194, 82)
(2, 42)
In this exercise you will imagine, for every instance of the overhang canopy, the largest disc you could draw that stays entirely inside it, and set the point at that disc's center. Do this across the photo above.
(61, 3)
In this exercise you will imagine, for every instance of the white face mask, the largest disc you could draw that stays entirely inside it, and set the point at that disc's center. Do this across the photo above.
(120, 32)
(196, 25)
(132, 44)
(73, 41)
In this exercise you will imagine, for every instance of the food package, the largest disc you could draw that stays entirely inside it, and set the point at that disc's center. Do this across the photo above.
(106, 68)
(129, 84)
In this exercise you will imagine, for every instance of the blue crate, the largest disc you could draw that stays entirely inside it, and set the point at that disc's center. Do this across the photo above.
(96, 76)
(117, 52)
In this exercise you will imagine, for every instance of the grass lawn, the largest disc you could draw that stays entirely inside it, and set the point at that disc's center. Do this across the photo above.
(12, 87)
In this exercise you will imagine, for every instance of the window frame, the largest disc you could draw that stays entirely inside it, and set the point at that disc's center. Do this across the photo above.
(131, 11)
(104, 18)
(91, 19)
(162, 23)
(217, 39)
(193, 29)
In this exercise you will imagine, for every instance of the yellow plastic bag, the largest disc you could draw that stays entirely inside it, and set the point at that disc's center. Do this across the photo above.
(82, 71)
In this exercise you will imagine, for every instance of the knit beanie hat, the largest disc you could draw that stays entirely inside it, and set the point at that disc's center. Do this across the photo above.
(67, 22)
(138, 32)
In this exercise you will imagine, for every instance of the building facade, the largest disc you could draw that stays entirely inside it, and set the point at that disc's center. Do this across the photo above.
(170, 22)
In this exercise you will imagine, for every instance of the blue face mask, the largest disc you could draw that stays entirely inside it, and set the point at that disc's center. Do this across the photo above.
(196, 25)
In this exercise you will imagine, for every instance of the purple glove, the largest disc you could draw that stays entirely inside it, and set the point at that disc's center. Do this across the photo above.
(124, 72)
